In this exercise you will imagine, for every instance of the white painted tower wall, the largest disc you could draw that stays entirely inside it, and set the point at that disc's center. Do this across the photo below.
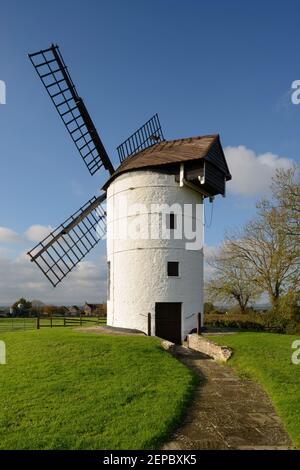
(138, 267)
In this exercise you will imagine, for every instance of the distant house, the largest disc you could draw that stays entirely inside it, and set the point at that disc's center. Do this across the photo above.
(73, 310)
(94, 310)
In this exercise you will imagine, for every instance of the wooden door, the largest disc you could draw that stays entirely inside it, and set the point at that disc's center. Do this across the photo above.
(168, 321)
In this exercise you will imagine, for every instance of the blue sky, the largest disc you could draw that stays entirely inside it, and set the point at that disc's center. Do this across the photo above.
(205, 66)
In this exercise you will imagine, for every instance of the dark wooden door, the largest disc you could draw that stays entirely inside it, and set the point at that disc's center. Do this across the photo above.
(168, 321)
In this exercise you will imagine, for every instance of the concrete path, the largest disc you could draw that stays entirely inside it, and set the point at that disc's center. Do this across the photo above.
(227, 412)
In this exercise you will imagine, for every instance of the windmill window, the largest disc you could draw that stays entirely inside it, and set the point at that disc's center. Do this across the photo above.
(173, 269)
(171, 221)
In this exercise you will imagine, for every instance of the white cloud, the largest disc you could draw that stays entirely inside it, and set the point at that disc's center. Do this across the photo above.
(252, 173)
(9, 236)
(21, 278)
(36, 233)
(4, 252)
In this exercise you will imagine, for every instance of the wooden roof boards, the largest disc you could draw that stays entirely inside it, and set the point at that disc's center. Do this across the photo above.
(176, 151)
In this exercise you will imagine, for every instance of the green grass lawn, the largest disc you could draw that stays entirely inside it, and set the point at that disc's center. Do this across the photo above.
(266, 358)
(63, 389)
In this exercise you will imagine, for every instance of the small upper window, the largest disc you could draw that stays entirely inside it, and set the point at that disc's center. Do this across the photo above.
(173, 268)
(171, 221)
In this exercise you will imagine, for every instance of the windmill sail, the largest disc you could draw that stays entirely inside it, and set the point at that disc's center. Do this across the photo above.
(55, 77)
(149, 134)
(68, 244)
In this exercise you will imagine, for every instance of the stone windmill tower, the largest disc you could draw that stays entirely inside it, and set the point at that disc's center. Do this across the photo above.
(154, 215)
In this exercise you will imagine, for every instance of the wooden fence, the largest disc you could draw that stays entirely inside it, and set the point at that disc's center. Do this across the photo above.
(17, 324)
(80, 320)
(52, 321)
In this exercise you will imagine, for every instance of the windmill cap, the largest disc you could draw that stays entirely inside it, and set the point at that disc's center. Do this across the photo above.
(170, 152)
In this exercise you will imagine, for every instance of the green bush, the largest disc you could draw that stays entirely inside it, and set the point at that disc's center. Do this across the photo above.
(285, 315)
(288, 305)
(217, 312)
(293, 327)
(208, 308)
(242, 321)
(275, 322)
(255, 321)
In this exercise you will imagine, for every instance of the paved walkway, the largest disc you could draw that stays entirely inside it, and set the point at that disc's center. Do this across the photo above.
(227, 412)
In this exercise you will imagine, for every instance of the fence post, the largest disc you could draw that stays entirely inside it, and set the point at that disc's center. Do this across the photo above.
(38, 322)
(149, 324)
(80, 319)
(199, 323)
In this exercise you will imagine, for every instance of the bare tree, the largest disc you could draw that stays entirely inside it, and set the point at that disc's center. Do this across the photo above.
(264, 256)
(230, 280)
(286, 193)
(265, 245)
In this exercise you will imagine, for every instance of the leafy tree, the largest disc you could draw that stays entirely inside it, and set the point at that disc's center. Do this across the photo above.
(26, 306)
(35, 311)
(50, 310)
